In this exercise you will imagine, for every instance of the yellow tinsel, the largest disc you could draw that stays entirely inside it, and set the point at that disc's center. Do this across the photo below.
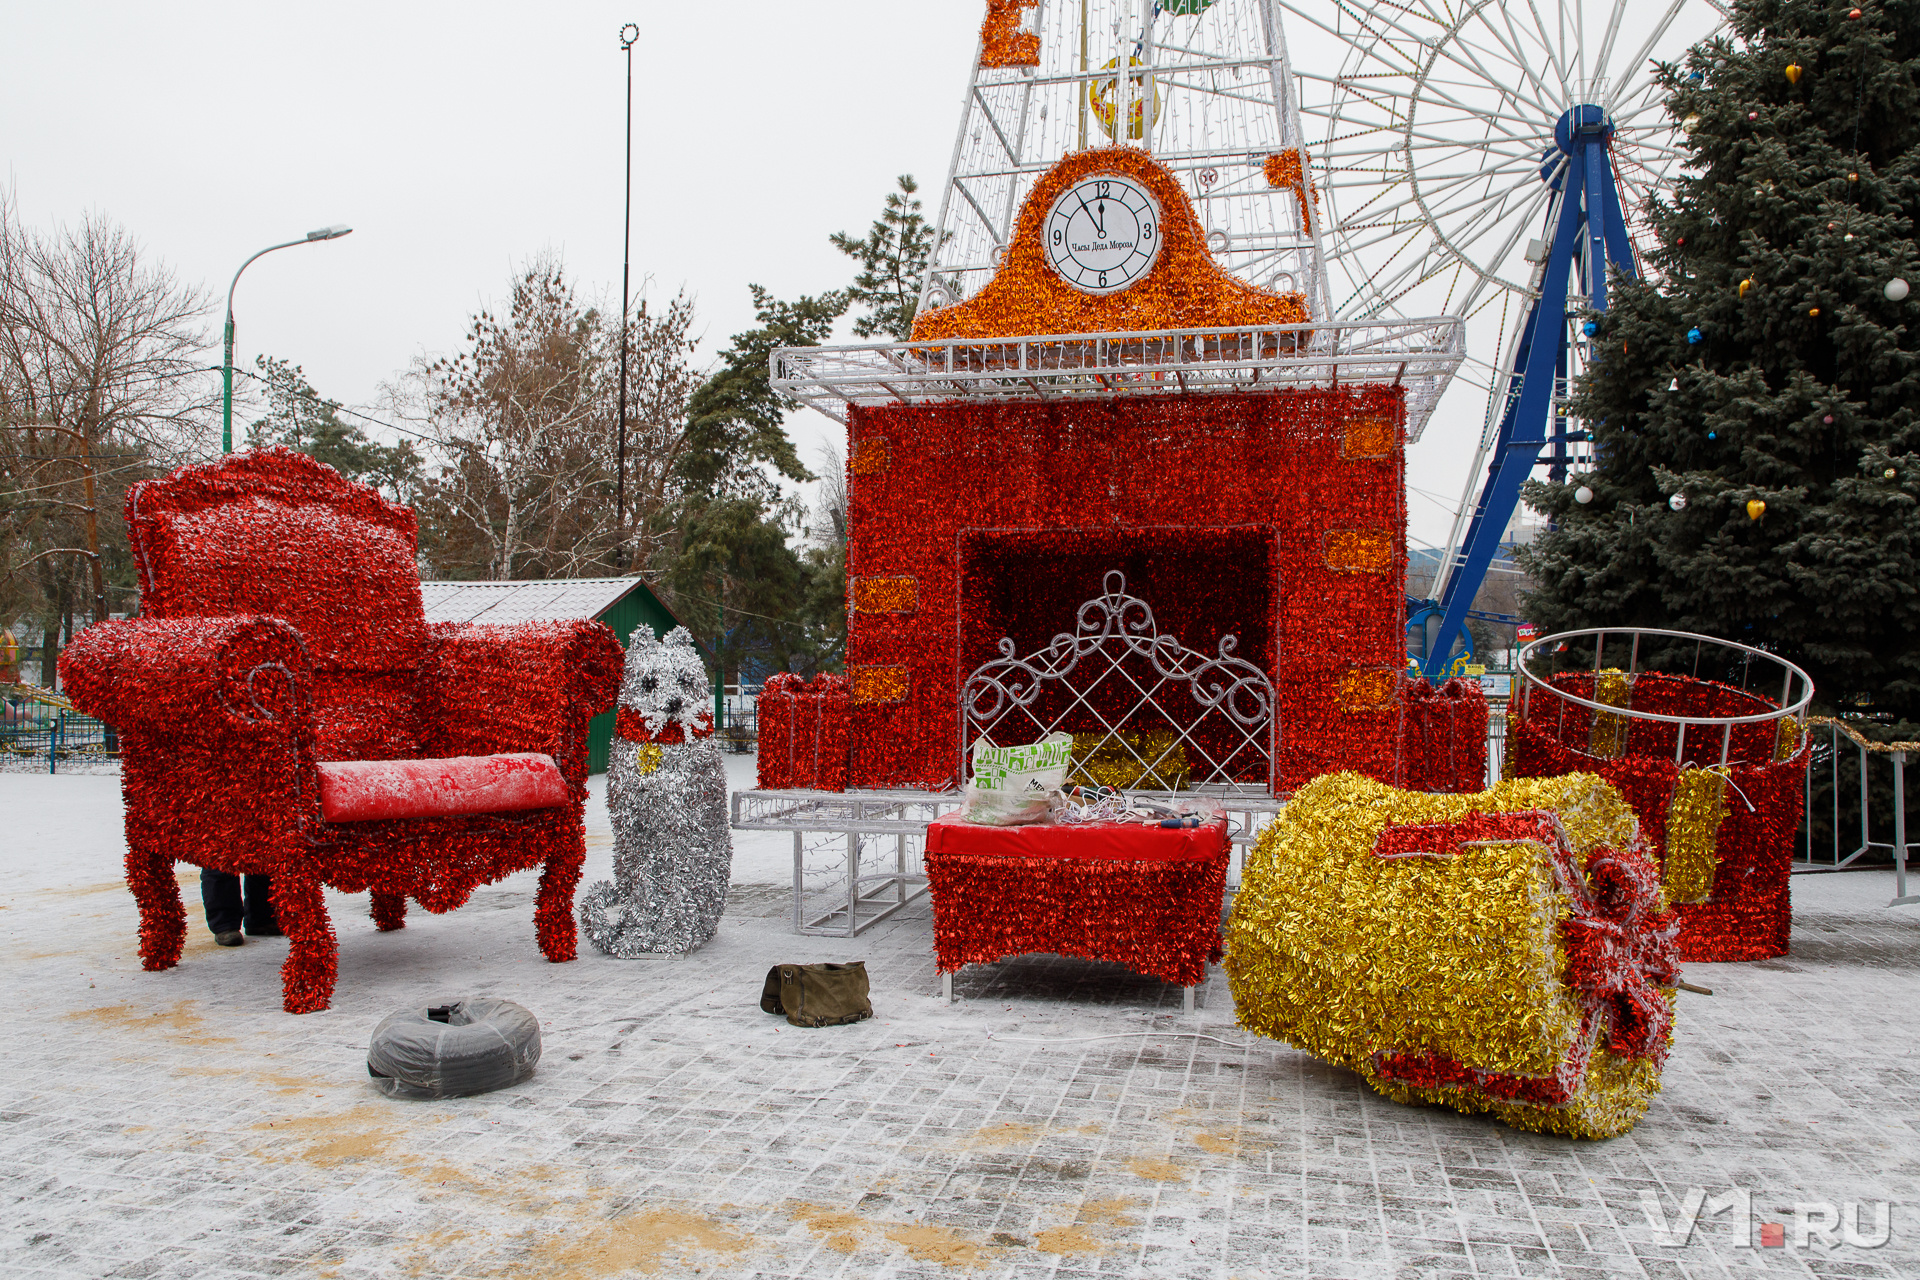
(1128, 761)
(1693, 828)
(1609, 737)
(1345, 954)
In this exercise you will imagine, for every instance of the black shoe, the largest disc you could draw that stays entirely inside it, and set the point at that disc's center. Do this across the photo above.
(271, 931)
(231, 938)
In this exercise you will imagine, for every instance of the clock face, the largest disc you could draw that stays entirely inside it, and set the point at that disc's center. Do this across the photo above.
(1103, 233)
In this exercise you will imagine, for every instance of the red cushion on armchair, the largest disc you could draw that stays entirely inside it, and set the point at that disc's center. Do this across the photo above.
(368, 790)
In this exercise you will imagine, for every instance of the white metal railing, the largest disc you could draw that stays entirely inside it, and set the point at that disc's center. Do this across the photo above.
(1419, 355)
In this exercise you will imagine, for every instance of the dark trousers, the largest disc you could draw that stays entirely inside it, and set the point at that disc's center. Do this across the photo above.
(231, 906)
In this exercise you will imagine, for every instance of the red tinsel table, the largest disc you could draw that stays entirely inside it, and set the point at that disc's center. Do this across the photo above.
(1144, 896)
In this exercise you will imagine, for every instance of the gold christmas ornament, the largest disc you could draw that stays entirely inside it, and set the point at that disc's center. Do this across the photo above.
(1813, 311)
(1793, 73)
(1889, 473)
(1744, 286)
(1755, 509)
(1691, 123)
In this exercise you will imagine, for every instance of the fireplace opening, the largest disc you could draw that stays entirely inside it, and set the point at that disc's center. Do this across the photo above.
(1114, 636)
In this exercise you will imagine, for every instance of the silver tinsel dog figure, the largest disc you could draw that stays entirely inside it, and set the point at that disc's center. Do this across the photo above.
(667, 797)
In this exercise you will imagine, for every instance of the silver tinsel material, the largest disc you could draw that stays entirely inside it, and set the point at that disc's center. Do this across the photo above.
(672, 848)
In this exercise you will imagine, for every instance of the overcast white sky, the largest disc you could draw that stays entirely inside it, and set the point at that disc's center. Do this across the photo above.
(460, 140)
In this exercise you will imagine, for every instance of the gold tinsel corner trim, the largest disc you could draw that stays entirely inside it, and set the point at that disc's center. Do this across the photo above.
(1608, 739)
(1358, 550)
(1369, 436)
(896, 594)
(879, 685)
(1002, 42)
(1367, 688)
(1285, 169)
(1693, 828)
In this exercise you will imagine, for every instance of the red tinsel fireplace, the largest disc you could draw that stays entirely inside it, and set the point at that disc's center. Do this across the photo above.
(1277, 518)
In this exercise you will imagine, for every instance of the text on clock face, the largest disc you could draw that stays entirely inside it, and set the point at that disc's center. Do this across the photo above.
(1103, 234)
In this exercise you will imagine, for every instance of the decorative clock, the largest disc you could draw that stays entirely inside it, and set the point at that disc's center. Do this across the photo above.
(1103, 233)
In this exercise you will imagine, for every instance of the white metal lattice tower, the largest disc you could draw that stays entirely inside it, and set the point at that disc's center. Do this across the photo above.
(1210, 96)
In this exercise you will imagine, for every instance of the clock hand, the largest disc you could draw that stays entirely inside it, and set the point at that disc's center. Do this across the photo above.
(1090, 218)
(1101, 229)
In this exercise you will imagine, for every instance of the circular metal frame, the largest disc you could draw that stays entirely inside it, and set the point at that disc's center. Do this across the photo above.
(1635, 634)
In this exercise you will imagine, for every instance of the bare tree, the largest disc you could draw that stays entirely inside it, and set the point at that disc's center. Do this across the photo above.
(102, 382)
(522, 419)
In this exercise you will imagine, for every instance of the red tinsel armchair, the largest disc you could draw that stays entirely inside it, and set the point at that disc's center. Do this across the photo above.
(285, 709)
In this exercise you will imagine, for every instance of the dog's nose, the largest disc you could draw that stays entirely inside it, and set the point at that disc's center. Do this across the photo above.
(674, 705)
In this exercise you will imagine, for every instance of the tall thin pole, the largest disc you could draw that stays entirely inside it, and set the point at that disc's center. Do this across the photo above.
(628, 34)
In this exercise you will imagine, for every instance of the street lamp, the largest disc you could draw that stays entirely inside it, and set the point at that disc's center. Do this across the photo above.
(226, 368)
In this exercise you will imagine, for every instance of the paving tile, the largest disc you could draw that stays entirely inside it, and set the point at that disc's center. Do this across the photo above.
(178, 1124)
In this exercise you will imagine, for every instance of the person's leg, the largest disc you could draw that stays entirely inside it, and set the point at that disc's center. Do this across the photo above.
(220, 894)
(260, 922)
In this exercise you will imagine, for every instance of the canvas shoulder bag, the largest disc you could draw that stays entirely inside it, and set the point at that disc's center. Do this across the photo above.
(818, 995)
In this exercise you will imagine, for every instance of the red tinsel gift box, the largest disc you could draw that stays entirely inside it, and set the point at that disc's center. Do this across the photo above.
(1749, 914)
(1139, 895)
(803, 733)
(1443, 744)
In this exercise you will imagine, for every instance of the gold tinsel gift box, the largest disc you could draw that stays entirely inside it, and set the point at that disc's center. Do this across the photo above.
(1502, 952)
(1155, 761)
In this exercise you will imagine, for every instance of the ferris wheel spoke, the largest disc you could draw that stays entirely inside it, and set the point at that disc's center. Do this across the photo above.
(1483, 77)
(1613, 32)
(1659, 31)
(1555, 52)
(1511, 49)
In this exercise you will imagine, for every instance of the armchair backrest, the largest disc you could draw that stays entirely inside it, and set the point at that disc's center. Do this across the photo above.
(274, 532)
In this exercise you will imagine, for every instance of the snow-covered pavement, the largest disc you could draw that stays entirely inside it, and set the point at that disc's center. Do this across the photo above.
(1062, 1120)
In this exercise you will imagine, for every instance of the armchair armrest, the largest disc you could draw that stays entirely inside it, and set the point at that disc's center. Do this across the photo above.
(530, 687)
(251, 674)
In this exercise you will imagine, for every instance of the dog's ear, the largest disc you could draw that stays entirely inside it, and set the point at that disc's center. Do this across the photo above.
(679, 638)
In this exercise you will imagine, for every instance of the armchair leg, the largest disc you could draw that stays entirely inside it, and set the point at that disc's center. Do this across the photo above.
(163, 918)
(553, 911)
(389, 911)
(307, 977)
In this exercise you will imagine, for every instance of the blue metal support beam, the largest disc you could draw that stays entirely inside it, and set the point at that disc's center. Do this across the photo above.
(1589, 203)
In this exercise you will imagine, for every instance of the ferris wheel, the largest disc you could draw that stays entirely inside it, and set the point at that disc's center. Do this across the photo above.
(1489, 159)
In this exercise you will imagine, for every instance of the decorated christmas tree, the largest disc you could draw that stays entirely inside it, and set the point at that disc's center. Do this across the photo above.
(1753, 397)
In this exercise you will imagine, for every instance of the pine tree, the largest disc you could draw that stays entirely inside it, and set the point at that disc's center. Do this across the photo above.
(1762, 360)
(893, 262)
(300, 418)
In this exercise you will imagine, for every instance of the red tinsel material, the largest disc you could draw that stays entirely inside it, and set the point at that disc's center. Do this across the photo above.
(1749, 914)
(281, 627)
(1444, 742)
(803, 733)
(1002, 512)
(1159, 917)
(1619, 946)
(632, 726)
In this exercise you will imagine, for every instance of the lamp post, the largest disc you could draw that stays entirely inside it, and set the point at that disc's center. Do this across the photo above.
(226, 366)
(628, 34)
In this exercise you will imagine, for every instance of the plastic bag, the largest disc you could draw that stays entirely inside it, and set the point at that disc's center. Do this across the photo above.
(1015, 786)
